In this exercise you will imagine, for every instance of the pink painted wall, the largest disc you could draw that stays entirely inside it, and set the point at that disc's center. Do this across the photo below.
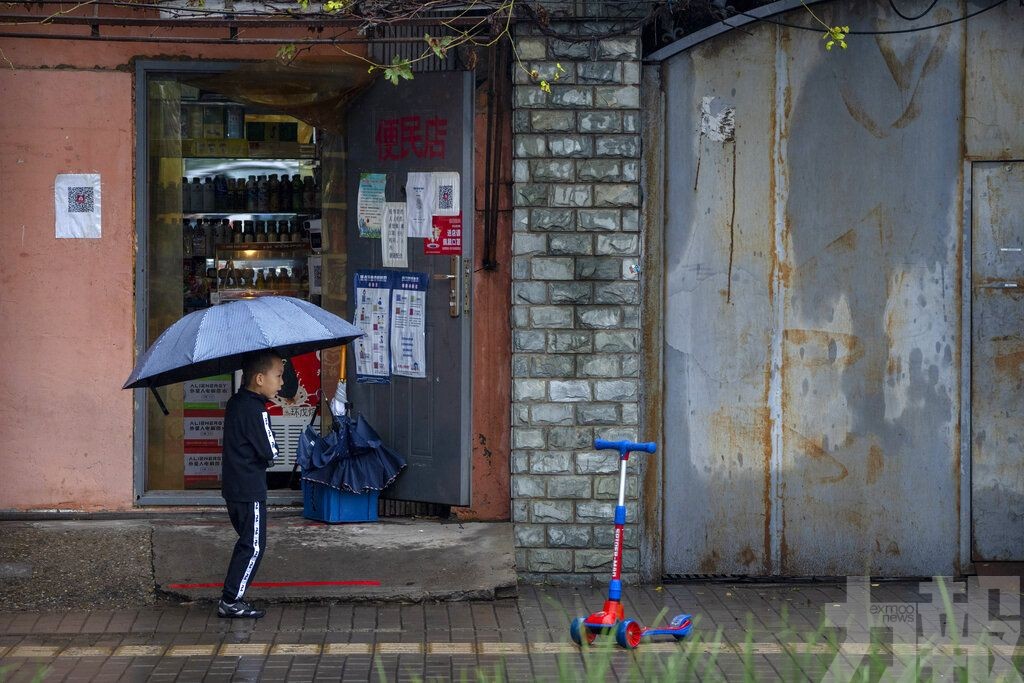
(66, 306)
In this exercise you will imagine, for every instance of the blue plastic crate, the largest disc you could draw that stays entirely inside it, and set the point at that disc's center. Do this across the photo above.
(326, 504)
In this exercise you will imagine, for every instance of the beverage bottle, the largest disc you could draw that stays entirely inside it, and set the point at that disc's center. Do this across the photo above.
(186, 239)
(261, 281)
(232, 205)
(309, 194)
(251, 194)
(261, 231)
(284, 279)
(199, 240)
(286, 193)
(249, 232)
(231, 233)
(297, 205)
(274, 194)
(209, 197)
(186, 197)
(263, 196)
(220, 193)
(195, 191)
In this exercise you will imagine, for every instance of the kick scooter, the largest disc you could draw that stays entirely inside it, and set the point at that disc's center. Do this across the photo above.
(628, 633)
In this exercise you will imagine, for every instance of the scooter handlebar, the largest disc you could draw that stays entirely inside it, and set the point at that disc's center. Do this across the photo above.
(624, 447)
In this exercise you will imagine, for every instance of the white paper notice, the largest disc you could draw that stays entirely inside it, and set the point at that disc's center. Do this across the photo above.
(419, 203)
(446, 193)
(408, 338)
(372, 351)
(76, 199)
(394, 241)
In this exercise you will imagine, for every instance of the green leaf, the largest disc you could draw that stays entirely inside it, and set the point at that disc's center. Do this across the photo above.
(400, 68)
(286, 53)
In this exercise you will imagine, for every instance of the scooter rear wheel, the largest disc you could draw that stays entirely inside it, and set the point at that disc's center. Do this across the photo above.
(628, 634)
(578, 631)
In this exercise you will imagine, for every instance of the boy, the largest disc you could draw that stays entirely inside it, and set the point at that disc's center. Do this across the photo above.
(249, 449)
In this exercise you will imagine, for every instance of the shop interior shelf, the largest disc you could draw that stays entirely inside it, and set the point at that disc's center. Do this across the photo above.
(264, 246)
(243, 215)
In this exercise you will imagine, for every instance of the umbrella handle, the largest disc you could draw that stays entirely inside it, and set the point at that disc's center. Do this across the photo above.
(342, 363)
(159, 401)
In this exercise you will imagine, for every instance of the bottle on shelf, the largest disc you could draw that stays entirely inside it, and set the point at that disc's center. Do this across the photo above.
(251, 194)
(199, 240)
(282, 232)
(309, 194)
(261, 280)
(273, 194)
(186, 238)
(260, 231)
(284, 280)
(248, 275)
(230, 195)
(222, 232)
(209, 196)
(220, 193)
(286, 194)
(186, 197)
(250, 234)
(234, 233)
(263, 194)
(297, 205)
(195, 190)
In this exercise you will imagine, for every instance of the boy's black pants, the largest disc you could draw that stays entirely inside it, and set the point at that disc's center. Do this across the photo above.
(250, 521)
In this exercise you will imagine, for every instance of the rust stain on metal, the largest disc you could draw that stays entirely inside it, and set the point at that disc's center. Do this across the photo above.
(875, 464)
(833, 342)
(709, 562)
(746, 556)
(1011, 364)
(803, 444)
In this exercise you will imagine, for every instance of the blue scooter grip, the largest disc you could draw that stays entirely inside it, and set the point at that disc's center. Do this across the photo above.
(624, 447)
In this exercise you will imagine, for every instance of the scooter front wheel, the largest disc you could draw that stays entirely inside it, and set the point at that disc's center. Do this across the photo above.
(628, 634)
(578, 631)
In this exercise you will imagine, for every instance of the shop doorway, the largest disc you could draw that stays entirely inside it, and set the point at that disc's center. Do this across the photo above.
(421, 126)
(206, 133)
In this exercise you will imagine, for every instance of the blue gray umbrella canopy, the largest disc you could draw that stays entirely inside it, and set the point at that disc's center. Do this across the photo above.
(215, 340)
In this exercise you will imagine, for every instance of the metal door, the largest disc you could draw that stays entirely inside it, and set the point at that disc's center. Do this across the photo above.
(997, 361)
(421, 125)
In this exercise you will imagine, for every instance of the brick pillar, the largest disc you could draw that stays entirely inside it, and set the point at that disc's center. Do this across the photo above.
(576, 303)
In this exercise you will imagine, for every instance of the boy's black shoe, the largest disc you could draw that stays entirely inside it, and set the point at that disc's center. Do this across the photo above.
(238, 610)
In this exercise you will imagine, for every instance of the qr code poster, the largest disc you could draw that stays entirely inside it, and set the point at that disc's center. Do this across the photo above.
(446, 194)
(77, 205)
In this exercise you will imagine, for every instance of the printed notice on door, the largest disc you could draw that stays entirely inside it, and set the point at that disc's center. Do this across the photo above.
(446, 239)
(408, 328)
(372, 316)
(394, 241)
(370, 205)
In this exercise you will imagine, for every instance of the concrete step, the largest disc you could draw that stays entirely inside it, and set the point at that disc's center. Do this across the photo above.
(393, 559)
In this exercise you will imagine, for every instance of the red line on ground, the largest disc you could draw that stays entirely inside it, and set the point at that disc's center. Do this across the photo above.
(279, 584)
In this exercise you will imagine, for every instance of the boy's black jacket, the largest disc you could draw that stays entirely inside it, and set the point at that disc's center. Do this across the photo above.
(249, 448)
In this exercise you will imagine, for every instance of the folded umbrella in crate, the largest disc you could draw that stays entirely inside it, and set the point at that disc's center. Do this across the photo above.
(344, 471)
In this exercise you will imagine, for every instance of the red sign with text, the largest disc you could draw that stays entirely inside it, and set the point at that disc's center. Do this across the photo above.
(447, 237)
(418, 136)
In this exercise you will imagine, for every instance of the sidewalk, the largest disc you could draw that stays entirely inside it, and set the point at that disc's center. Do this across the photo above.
(741, 628)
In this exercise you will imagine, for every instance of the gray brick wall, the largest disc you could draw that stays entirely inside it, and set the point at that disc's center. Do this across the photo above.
(576, 304)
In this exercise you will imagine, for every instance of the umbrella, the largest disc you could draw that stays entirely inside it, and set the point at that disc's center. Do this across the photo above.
(339, 404)
(216, 340)
(349, 458)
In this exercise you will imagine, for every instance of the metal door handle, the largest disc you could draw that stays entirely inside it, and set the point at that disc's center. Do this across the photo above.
(454, 278)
